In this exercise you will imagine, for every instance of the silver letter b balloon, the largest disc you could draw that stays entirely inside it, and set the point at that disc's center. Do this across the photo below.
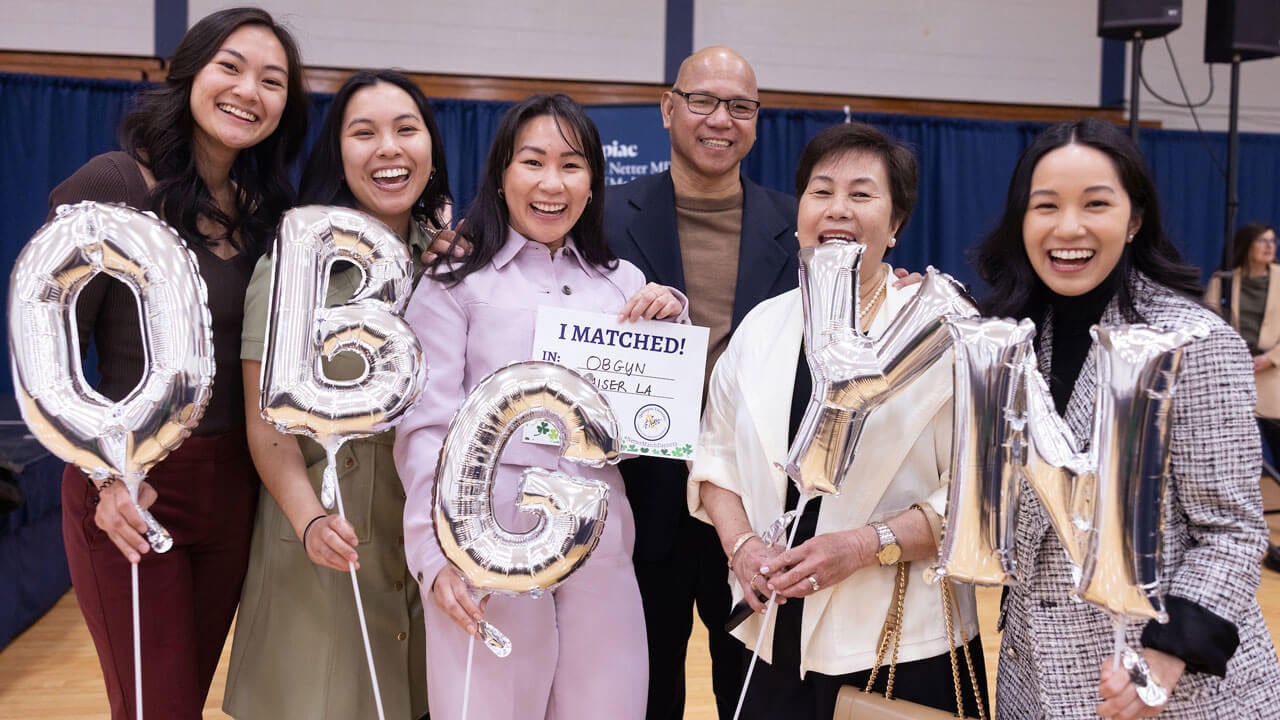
(297, 396)
(110, 439)
(570, 510)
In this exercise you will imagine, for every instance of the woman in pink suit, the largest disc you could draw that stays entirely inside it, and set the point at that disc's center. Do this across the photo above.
(537, 233)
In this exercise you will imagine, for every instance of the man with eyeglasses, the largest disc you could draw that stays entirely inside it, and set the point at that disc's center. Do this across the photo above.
(728, 244)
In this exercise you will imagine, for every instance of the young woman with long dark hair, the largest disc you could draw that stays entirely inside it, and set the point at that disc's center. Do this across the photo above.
(380, 152)
(1081, 243)
(208, 151)
(537, 235)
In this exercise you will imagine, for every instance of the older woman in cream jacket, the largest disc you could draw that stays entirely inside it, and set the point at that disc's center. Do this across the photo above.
(836, 585)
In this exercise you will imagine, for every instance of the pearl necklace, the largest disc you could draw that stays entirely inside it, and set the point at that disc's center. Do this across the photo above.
(864, 309)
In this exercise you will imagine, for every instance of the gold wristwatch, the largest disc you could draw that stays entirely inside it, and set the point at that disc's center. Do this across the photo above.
(890, 551)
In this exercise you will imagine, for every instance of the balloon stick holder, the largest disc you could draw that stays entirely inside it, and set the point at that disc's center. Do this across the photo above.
(768, 611)
(331, 479)
(466, 682)
(1117, 629)
(137, 621)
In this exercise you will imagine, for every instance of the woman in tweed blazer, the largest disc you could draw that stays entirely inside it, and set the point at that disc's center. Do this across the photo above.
(1079, 243)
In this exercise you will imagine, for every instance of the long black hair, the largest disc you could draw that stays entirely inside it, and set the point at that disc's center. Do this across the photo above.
(487, 219)
(159, 132)
(325, 183)
(1243, 240)
(1016, 290)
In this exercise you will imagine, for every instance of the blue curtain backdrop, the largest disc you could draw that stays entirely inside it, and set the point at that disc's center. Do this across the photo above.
(50, 126)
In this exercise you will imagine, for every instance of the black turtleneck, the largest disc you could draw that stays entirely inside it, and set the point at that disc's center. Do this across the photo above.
(1072, 318)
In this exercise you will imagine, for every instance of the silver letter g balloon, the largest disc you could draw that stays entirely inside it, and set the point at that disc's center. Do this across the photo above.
(570, 510)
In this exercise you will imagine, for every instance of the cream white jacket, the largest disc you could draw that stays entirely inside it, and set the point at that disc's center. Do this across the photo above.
(903, 458)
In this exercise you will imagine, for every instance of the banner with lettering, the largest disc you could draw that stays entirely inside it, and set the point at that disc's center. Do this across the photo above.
(635, 143)
(650, 371)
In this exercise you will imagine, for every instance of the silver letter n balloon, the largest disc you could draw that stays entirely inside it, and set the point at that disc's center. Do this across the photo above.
(570, 510)
(297, 395)
(122, 439)
(854, 374)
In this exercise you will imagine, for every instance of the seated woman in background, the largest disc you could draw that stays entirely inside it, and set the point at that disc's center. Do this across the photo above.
(1080, 242)
(208, 151)
(840, 579)
(1253, 309)
(297, 649)
(537, 236)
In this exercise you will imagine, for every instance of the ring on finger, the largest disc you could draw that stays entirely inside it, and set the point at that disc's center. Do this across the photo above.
(813, 582)
(755, 577)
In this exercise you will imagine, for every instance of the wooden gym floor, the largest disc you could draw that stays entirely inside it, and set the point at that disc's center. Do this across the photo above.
(51, 672)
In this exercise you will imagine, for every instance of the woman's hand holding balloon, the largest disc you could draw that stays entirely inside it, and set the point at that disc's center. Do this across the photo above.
(747, 563)
(903, 277)
(651, 302)
(452, 595)
(443, 243)
(331, 541)
(118, 517)
(1120, 698)
(822, 561)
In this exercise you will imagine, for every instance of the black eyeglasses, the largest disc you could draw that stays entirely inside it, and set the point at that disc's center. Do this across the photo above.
(704, 104)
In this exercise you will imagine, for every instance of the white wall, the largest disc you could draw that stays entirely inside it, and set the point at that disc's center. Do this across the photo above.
(103, 27)
(614, 40)
(1015, 51)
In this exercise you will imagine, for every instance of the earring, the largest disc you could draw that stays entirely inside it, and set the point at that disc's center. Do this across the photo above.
(892, 241)
(432, 176)
(501, 194)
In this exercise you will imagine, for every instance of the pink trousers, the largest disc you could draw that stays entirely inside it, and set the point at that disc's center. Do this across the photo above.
(577, 652)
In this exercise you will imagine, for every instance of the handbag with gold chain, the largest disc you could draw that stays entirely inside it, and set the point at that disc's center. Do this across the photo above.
(863, 704)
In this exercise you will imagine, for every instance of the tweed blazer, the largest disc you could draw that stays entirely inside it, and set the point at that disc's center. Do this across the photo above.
(1268, 381)
(1214, 534)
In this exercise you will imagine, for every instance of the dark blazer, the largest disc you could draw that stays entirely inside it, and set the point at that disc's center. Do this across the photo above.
(640, 222)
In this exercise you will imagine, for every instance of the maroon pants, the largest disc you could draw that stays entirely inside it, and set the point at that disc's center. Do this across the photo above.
(207, 494)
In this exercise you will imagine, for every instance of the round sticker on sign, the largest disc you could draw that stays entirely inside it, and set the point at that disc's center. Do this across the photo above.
(652, 422)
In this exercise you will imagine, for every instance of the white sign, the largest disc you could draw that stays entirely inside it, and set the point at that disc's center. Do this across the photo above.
(650, 371)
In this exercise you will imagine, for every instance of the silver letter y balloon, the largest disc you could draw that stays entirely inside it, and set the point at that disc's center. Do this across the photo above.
(852, 373)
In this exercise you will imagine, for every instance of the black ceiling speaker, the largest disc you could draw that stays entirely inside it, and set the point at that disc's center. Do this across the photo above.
(1120, 19)
(1248, 28)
